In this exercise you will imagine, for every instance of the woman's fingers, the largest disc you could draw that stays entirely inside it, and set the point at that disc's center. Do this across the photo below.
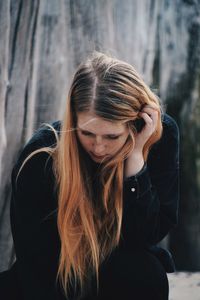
(150, 116)
(150, 110)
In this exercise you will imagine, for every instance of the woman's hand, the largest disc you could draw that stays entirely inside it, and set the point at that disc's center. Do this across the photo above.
(135, 160)
(150, 116)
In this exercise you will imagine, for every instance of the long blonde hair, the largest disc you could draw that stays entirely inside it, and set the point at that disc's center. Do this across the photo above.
(89, 223)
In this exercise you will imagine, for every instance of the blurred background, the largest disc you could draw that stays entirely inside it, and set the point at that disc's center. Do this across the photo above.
(42, 43)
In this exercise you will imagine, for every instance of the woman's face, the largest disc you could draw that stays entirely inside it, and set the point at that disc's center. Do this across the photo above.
(100, 138)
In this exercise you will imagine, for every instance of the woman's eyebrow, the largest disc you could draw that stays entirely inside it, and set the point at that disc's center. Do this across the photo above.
(112, 134)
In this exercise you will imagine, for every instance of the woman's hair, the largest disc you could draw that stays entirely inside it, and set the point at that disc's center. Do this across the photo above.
(89, 220)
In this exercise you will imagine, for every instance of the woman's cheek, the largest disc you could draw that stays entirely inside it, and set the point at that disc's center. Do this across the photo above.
(87, 143)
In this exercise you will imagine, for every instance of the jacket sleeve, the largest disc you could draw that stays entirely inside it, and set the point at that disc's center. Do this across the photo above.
(151, 197)
(34, 229)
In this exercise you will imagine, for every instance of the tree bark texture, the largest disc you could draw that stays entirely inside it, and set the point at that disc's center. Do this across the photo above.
(41, 44)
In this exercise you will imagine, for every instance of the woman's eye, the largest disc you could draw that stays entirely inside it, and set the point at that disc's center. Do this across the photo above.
(109, 137)
(113, 137)
(86, 133)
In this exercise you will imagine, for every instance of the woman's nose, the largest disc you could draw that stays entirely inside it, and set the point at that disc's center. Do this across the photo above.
(99, 149)
(98, 146)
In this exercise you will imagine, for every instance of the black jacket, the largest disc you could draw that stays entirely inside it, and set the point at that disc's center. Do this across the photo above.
(150, 200)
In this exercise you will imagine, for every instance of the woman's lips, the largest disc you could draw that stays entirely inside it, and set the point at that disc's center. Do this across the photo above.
(98, 157)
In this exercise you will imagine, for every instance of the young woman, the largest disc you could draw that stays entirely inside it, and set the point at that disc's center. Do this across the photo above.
(94, 193)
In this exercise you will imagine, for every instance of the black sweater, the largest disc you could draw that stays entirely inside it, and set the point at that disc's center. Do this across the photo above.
(150, 201)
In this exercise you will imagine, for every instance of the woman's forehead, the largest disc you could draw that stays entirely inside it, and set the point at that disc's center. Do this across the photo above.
(93, 123)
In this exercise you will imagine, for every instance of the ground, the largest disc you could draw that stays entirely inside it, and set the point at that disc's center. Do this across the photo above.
(184, 286)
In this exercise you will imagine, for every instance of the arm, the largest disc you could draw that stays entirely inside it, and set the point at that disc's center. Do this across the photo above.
(151, 196)
(35, 237)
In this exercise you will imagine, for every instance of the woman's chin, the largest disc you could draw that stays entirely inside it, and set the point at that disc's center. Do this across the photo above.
(98, 159)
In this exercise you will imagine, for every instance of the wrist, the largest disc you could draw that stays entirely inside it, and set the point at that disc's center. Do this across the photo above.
(135, 157)
(133, 164)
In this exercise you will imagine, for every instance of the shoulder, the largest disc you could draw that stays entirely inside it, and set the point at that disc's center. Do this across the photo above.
(170, 138)
(170, 126)
(170, 131)
(165, 152)
(44, 136)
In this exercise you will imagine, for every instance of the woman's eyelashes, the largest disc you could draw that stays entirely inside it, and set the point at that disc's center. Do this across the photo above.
(111, 137)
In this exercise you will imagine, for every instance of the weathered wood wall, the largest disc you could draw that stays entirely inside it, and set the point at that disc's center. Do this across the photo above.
(42, 42)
